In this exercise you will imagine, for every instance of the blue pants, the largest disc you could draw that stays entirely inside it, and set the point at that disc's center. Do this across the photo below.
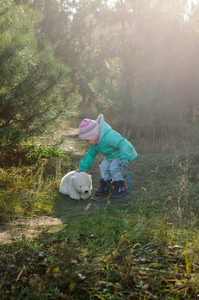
(109, 168)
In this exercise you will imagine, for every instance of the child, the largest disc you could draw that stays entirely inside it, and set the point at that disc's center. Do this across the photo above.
(116, 149)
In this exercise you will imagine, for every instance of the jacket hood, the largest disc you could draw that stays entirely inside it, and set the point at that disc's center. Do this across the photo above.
(104, 127)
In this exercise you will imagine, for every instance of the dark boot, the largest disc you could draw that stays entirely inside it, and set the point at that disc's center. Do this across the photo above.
(119, 189)
(104, 188)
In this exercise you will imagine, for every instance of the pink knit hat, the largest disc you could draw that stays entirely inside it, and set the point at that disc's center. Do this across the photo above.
(89, 130)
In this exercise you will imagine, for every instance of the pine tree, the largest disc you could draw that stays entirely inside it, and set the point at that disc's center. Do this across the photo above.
(33, 84)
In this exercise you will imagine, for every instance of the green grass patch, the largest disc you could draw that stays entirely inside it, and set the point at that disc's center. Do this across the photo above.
(30, 177)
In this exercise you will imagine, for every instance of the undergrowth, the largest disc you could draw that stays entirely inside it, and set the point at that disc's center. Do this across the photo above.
(107, 255)
(29, 179)
(144, 249)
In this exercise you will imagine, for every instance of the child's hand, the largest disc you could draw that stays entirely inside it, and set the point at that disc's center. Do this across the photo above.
(124, 164)
(78, 170)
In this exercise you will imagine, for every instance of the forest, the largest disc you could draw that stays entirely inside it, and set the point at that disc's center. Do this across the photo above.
(136, 62)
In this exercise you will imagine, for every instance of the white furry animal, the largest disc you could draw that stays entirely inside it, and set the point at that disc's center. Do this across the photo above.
(77, 185)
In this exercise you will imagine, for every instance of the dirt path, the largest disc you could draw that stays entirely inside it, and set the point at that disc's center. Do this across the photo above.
(27, 228)
(69, 135)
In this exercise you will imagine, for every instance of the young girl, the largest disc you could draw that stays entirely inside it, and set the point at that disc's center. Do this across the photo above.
(101, 138)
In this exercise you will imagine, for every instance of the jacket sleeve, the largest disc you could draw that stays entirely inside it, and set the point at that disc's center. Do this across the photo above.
(126, 149)
(88, 159)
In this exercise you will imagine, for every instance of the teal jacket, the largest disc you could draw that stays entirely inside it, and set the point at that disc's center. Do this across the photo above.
(111, 144)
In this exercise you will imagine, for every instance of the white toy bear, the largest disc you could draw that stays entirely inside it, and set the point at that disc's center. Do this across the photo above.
(77, 185)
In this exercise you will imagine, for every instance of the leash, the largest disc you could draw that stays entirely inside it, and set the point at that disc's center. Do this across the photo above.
(116, 201)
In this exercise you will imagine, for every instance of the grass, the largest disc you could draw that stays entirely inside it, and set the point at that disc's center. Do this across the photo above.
(109, 255)
(30, 178)
(146, 248)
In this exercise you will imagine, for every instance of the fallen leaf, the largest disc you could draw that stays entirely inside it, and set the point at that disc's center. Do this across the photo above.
(55, 270)
(81, 277)
(178, 284)
(20, 274)
(145, 286)
(64, 244)
(73, 262)
(41, 255)
(87, 207)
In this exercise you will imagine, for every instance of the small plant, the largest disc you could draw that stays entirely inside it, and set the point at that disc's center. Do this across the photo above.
(37, 152)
